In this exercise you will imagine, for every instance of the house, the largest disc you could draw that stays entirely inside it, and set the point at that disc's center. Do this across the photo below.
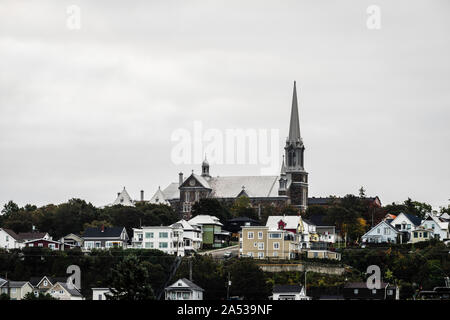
(262, 242)
(405, 223)
(42, 284)
(9, 239)
(168, 239)
(73, 240)
(46, 243)
(105, 238)
(289, 292)
(61, 291)
(305, 229)
(192, 236)
(438, 293)
(421, 234)
(360, 291)
(439, 226)
(235, 225)
(16, 290)
(325, 231)
(183, 289)
(29, 236)
(100, 293)
(383, 232)
(323, 254)
(159, 198)
(211, 227)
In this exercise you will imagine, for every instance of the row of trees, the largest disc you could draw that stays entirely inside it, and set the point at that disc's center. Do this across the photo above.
(76, 215)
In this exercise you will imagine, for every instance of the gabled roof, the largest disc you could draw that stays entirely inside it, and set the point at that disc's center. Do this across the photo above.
(12, 234)
(108, 232)
(414, 219)
(16, 284)
(186, 225)
(73, 292)
(291, 222)
(124, 199)
(254, 186)
(381, 222)
(204, 219)
(159, 197)
(188, 284)
(288, 288)
(26, 236)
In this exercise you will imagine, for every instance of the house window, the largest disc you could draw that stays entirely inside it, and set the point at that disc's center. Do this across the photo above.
(355, 291)
(260, 235)
(260, 255)
(163, 245)
(378, 230)
(13, 290)
(148, 245)
(250, 235)
(390, 292)
(374, 291)
(275, 254)
(275, 236)
(185, 295)
(40, 244)
(425, 234)
(163, 234)
(100, 297)
(415, 234)
(276, 246)
(408, 226)
(148, 235)
(45, 283)
(7, 238)
(261, 246)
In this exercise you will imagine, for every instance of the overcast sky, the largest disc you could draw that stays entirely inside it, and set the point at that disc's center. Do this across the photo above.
(85, 112)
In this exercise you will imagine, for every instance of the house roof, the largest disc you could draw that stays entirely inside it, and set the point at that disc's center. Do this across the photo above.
(36, 280)
(188, 283)
(362, 285)
(16, 284)
(414, 219)
(291, 222)
(109, 232)
(159, 197)
(31, 235)
(74, 292)
(291, 288)
(382, 222)
(254, 186)
(242, 219)
(204, 219)
(171, 191)
(186, 225)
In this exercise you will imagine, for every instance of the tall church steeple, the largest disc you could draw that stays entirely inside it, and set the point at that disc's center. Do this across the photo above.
(297, 177)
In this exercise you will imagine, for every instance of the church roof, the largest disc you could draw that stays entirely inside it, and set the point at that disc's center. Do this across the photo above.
(254, 186)
(159, 197)
(124, 199)
(171, 191)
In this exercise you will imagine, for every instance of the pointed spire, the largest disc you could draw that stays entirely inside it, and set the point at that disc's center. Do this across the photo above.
(283, 168)
(294, 127)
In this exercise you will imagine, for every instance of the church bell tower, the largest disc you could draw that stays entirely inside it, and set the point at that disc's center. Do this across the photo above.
(293, 162)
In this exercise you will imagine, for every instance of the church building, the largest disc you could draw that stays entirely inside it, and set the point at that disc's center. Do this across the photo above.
(290, 187)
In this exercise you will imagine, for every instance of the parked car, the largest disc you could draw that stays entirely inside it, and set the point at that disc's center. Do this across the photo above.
(227, 254)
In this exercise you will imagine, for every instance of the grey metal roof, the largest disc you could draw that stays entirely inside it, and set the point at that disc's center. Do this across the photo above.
(74, 292)
(171, 191)
(291, 288)
(254, 186)
(189, 283)
(294, 126)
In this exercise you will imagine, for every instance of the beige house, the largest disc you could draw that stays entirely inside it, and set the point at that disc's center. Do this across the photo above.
(15, 289)
(61, 291)
(262, 242)
(421, 234)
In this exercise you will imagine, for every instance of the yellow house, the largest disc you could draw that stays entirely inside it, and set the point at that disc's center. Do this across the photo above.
(323, 254)
(421, 234)
(261, 242)
(16, 289)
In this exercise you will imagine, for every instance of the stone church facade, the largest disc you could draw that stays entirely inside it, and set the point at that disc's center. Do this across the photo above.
(290, 187)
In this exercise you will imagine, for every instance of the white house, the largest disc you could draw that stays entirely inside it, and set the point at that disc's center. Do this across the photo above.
(9, 239)
(183, 289)
(123, 199)
(405, 223)
(192, 235)
(438, 225)
(168, 239)
(289, 292)
(381, 233)
(305, 229)
(100, 293)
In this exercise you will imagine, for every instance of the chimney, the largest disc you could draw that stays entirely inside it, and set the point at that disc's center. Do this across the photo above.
(180, 179)
(142, 195)
(102, 228)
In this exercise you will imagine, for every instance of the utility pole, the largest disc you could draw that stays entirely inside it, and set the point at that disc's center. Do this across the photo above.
(306, 271)
(228, 286)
